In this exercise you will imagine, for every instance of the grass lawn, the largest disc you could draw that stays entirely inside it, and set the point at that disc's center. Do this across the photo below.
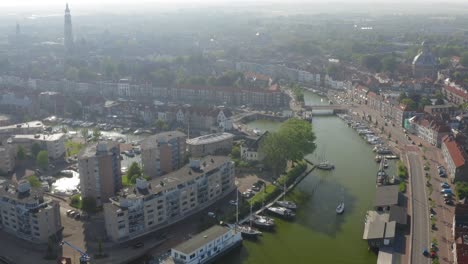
(34, 181)
(73, 148)
(76, 202)
(126, 182)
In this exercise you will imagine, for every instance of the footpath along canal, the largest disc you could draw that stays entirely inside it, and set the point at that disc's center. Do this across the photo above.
(318, 234)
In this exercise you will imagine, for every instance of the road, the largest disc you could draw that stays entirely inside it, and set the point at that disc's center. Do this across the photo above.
(420, 221)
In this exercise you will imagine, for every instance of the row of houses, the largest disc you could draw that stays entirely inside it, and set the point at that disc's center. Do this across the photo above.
(272, 96)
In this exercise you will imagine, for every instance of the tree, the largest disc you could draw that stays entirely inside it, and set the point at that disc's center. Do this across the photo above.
(299, 137)
(235, 152)
(272, 147)
(42, 159)
(21, 153)
(35, 148)
(423, 102)
(96, 134)
(410, 104)
(464, 59)
(134, 172)
(293, 141)
(85, 133)
(371, 62)
(389, 63)
(402, 96)
(161, 125)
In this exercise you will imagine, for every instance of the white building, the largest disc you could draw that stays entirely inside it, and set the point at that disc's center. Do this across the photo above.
(150, 206)
(27, 213)
(250, 149)
(53, 143)
(206, 246)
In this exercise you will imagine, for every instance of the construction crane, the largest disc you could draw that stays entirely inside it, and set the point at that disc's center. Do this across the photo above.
(84, 256)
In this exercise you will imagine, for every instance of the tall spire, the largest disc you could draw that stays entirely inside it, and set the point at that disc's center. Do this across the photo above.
(68, 32)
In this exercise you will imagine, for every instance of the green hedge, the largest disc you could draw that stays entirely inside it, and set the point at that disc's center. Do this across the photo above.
(402, 170)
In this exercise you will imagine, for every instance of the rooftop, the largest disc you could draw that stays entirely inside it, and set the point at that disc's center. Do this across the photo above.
(201, 239)
(386, 196)
(42, 137)
(32, 124)
(211, 138)
(458, 155)
(154, 140)
(10, 189)
(176, 178)
(92, 150)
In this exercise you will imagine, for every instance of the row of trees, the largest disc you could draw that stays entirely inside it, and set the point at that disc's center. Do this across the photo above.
(41, 156)
(416, 101)
(292, 141)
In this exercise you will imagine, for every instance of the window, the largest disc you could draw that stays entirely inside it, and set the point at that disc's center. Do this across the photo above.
(192, 256)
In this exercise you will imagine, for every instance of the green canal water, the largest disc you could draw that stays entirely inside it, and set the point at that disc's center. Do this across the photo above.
(318, 234)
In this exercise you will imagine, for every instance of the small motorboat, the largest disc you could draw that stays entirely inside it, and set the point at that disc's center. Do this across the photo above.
(325, 165)
(340, 208)
(282, 212)
(287, 204)
(385, 164)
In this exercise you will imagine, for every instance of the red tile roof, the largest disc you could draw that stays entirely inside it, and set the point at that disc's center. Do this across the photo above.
(459, 92)
(456, 152)
(256, 76)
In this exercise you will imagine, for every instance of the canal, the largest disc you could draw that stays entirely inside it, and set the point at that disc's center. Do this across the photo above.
(318, 234)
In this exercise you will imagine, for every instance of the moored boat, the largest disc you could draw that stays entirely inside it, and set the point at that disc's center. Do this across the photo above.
(287, 204)
(340, 208)
(248, 232)
(282, 212)
(263, 222)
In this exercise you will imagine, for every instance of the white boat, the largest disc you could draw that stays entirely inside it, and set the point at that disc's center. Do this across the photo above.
(257, 131)
(340, 208)
(325, 165)
(287, 204)
(263, 222)
(282, 212)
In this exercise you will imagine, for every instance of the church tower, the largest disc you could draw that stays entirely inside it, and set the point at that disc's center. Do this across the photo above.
(68, 33)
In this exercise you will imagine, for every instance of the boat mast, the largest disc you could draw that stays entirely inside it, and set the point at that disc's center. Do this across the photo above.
(251, 215)
(284, 190)
(237, 207)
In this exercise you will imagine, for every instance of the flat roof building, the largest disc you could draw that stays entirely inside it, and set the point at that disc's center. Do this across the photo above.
(152, 205)
(53, 143)
(163, 153)
(99, 168)
(211, 144)
(27, 213)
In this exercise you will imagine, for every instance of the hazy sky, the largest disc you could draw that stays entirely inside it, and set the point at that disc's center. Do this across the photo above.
(87, 6)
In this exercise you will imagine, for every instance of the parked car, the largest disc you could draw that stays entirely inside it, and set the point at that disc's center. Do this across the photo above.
(446, 191)
(69, 212)
(73, 213)
(448, 202)
(138, 245)
(448, 196)
(445, 185)
(211, 214)
(232, 202)
(77, 216)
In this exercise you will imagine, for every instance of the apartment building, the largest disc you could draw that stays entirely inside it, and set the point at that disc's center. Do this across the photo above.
(7, 159)
(456, 158)
(27, 213)
(163, 153)
(99, 168)
(53, 143)
(150, 206)
(429, 130)
(211, 144)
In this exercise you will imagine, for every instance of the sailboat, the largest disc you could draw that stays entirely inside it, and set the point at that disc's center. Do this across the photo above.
(286, 204)
(341, 206)
(246, 231)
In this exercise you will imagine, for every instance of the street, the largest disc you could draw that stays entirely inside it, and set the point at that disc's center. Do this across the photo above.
(420, 220)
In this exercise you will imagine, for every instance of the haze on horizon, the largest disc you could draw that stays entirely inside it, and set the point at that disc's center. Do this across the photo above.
(137, 6)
